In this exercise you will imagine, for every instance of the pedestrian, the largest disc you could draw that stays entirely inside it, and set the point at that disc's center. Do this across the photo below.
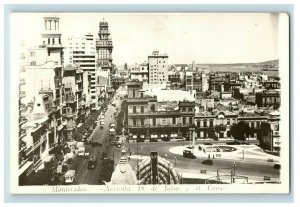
(213, 156)
(208, 156)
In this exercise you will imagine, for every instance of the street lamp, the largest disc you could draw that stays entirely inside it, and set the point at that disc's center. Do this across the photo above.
(243, 154)
(233, 179)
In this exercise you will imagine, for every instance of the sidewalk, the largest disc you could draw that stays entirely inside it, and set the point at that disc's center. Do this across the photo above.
(242, 153)
(194, 174)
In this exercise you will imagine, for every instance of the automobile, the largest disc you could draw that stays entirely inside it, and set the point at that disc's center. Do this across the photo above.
(86, 154)
(141, 138)
(112, 126)
(111, 131)
(154, 138)
(277, 166)
(81, 151)
(96, 144)
(102, 122)
(188, 154)
(69, 176)
(104, 155)
(119, 144)
(92, 163)
(207, 162)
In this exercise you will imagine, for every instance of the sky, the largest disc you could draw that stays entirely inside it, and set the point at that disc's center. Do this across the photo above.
(185, 37)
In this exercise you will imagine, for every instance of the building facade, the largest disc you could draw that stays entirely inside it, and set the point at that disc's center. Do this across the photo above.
(147, 119)
(82, 51)
(158, 68)
(267, 98)
(104, 47)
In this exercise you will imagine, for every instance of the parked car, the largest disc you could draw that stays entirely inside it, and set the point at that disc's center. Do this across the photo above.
(70, 176)
(207, 162)
(92, 163)
(188, 154)
(277, 166)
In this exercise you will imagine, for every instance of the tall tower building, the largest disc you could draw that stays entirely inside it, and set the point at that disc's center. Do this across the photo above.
(51, 39)
(82, 51)
(104, 47)
(158, 68)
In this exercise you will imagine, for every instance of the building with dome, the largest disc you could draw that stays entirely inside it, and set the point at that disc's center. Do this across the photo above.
(152, 170)
(123, 173)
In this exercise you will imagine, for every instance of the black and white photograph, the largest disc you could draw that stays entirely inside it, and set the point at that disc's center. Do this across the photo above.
(149, 103)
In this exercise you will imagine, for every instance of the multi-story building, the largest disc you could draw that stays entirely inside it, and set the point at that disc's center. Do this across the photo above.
(153, 120)
(35, 144)
(44, 72)
(193, 81)
(158, 68)
(73, 103)
(267, 98)
(82, 51)
(205, 85)
(140, 72)
(217, 83)
(43, 76)
(104, 47)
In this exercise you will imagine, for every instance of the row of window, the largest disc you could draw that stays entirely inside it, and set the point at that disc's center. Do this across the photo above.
(185, 120)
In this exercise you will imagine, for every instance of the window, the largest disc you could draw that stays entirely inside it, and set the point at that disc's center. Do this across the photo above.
(33, 63)
(174, 120)
(183, 120)
(183, 109)
(211, 123)
(134, 121)
(252, 124)
(134, 109)
(191, 120)
(142, 121)
(204, 123)
(133, 93)
(228, 121)
(190, 109)
(48, 41)
(53, 41)
(198, 123)
(154, 121)
(142, 109)
(142, 95)
(152, 107)
(32, 54)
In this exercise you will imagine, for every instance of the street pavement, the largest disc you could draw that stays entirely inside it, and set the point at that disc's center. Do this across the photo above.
(80, 164)
(243, 167)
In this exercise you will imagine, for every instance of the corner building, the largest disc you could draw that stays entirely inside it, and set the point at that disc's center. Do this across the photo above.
(148, 121)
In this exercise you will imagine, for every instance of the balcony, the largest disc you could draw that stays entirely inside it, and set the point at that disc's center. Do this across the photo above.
(22, 107)
(22, 81)
(22, 120)
(70, 99)
(69, 115)
(161, 126)
(22, 146)
(22, 94)
(22, 133)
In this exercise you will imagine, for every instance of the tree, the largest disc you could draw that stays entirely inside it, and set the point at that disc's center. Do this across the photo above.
(239, 131)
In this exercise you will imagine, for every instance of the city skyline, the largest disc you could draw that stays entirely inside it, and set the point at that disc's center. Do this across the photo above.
(185, 38)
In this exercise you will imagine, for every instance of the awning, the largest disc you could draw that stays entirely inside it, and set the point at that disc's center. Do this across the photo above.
(24, 168)
(48, 158)
(60, 127)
